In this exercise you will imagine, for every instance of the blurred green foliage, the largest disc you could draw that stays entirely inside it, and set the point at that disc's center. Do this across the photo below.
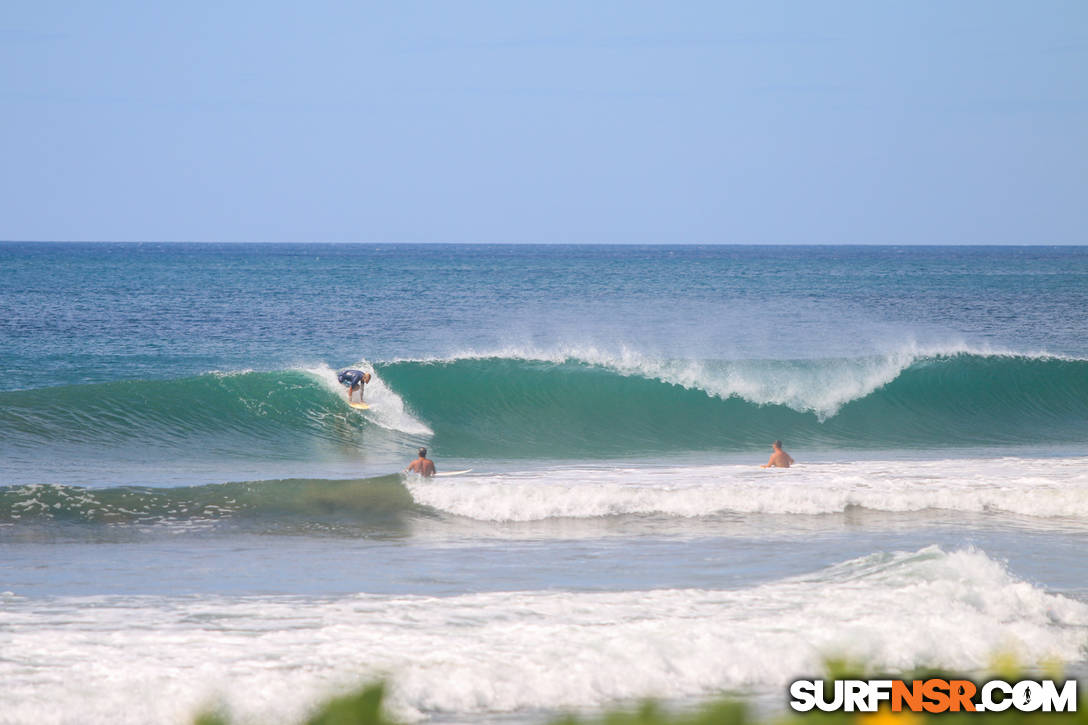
(364, 707)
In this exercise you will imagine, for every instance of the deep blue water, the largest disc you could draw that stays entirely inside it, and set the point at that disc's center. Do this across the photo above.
(97, 312)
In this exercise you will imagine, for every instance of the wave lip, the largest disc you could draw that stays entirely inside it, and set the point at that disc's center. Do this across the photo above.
(555, 406)
(798, 384)
(526, 651)
(819, 386)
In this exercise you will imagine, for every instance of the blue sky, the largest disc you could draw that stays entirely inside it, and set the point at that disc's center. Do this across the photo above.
(597, 122)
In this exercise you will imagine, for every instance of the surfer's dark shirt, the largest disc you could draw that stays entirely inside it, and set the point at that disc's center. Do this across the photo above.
(350, 377)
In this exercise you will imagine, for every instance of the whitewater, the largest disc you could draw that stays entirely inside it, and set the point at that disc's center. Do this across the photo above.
(191, 516)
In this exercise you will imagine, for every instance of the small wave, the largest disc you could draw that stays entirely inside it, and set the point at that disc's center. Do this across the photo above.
(309, 500)
(1039, 488)
(1051, 488)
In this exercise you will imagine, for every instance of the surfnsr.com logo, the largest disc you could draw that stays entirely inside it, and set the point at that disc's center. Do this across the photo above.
(934, 695)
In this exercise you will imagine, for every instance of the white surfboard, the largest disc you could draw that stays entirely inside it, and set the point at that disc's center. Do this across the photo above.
(454, 473)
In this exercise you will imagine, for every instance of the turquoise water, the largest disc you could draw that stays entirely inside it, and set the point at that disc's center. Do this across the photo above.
(185, 494)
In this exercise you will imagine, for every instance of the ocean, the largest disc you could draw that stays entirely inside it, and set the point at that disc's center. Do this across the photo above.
(191, 516)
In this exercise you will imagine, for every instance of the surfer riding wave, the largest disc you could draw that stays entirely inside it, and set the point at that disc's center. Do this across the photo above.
(355, 380)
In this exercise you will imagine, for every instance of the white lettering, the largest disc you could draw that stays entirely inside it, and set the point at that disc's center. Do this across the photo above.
(988, 699)
(803, 693)
(879, 691)
(836, 701)
(1065, 701)
(854, 698)
(1027, 696)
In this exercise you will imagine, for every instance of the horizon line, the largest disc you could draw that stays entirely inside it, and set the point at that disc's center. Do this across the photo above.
(551, 244)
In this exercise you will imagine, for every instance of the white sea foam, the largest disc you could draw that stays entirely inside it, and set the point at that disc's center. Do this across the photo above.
(1049, 487)
(156, 659)
(387, 409)
(818, 386)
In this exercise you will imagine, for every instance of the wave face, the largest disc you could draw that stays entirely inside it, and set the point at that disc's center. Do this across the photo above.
(519, 407)
(511, 407)
(291, 415)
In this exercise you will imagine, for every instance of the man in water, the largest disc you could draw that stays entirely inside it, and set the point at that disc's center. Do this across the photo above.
(779, 459)
(356, 379)
(423, 466)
